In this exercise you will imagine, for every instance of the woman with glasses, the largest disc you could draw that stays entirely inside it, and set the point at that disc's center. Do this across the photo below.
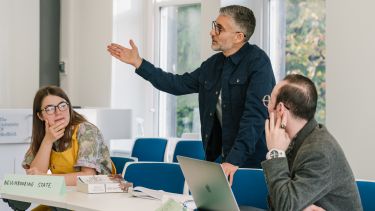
(63, 141)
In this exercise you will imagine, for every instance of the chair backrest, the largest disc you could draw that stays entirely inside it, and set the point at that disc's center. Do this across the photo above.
(191, 135)
(249, 188)
(367, 192)
(149, 149)
(189, 148)
(156, 175)
(120, 163)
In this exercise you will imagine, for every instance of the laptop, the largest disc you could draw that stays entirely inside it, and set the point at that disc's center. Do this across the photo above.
(209, 185)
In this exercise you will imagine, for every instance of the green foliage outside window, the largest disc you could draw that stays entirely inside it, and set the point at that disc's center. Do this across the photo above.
(184, 119)
(306, 46)
(188, 59)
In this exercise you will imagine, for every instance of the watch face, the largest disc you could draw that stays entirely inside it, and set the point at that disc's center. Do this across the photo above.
(274, 154)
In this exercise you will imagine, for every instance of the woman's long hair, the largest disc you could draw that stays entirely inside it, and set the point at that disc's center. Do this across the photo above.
(39, 132)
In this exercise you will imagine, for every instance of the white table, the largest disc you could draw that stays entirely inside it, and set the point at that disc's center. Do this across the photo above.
(74, 200)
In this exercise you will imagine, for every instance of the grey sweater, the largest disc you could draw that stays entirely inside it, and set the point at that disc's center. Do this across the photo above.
(314, 172)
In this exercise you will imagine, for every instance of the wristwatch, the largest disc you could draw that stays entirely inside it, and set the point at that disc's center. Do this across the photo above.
(275, 153)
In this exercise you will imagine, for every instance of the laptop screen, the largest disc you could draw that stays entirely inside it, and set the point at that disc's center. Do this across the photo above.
(208, 184)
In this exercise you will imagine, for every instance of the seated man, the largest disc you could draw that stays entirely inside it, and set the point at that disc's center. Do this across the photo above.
(305, 167)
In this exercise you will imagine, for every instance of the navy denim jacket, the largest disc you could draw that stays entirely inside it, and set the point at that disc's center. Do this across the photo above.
(243, 79)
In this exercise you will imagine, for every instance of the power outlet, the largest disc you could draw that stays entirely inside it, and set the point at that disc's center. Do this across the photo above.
(62, 67)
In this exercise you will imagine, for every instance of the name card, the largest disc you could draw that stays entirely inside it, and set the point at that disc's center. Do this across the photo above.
(33, 185)
(171, 205)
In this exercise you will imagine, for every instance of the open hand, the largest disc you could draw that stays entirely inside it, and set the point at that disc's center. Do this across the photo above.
(127, 55)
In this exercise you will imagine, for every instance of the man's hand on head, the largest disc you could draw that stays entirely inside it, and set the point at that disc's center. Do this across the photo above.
(276, 136)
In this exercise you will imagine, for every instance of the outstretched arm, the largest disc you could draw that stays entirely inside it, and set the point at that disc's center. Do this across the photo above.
(127, 55)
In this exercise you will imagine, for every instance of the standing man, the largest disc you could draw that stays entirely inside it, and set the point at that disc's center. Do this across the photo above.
(305, 167)
(230, 84)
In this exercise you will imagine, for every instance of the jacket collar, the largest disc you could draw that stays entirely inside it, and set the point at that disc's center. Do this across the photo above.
(301, 136)
(236, 57)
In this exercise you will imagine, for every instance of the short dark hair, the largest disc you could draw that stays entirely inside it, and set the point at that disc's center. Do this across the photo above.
(300, 95)
(243, 17)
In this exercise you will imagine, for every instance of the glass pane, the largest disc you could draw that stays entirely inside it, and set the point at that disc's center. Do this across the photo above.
(180, 53)
(305, 47)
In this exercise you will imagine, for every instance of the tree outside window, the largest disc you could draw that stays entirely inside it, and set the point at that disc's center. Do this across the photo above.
(306, 46)
(180, 53)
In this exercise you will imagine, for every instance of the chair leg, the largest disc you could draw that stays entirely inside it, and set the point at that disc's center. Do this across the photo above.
(17, 205)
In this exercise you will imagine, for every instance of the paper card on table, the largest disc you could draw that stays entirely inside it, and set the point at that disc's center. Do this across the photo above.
(171, 205)
(33, 185)
(103, 184)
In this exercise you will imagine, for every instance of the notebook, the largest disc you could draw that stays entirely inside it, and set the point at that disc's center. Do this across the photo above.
(209, 185)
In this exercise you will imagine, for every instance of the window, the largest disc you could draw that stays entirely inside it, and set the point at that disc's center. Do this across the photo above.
(297, 42)
(179, 53)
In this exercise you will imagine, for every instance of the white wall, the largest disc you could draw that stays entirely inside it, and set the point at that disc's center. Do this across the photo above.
(19, 70)
(350, 81)
(129, 90)
(209, 12)
(86, 30)
(19, 52)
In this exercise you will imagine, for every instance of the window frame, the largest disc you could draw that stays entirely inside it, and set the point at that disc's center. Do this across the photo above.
(260, 7)
(160, 98)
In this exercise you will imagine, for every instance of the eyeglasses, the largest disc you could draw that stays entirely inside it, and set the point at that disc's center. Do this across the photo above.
(51, 109)
(267, 99)
(218, 29)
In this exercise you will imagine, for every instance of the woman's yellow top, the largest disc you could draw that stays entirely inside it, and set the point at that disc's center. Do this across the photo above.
(63, 162)
(86, 149)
